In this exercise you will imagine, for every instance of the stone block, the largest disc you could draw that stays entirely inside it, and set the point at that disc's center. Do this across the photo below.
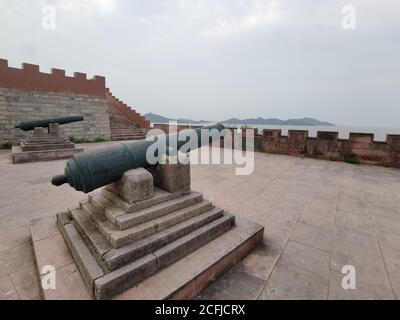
(134, 186)
(172, 176)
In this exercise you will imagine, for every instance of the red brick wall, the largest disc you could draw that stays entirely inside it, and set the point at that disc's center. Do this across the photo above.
(30, 78)
(327, 145)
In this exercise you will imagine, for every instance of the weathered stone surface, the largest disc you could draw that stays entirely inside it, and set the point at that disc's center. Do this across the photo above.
(178, 249)
(87, 265)
(118, 257)
(289, 285)
(128, 220)
(234, 285)
(26, 282)
(305, 260)
(44, 228)
(7, 290)
(119, 238)
(18, 156)
(172, 176)
(159, 197)
(126, 277)
(135, 185)
(15, 259)
(43, 104)
(363, 290)
(95, 240)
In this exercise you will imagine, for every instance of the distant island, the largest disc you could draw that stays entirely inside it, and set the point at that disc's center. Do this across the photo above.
(155, 118)
(274, 121)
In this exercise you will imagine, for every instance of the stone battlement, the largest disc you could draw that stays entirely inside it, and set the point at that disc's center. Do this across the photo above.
(360, 147)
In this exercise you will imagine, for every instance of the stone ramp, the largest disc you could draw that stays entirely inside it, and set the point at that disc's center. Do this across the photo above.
(183, 279)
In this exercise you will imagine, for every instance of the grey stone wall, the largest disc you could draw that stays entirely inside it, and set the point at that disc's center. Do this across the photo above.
(19, 105)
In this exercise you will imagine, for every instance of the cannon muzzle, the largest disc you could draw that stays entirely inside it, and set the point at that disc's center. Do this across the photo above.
(44, 123)
(93, 169)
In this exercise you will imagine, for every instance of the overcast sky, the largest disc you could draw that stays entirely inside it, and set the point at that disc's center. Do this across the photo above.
(216, 59)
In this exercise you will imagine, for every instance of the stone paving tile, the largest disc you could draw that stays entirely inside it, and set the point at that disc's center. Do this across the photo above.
(294, 198)
(262, 260)
(15, 259)
(319, 210)
(7, 290)
(44, 228)
(349, 240)
(356, 222)
(276, 233)
(363, 291)
(61, 256)
(307, 261)
(390, 243)
(288, 285)
(390, 212)
(316, 233)
(393, 269)
(67, 277)
(236, 284)
(387, 224)
(26, 283)
(12, 234)
(368, 266)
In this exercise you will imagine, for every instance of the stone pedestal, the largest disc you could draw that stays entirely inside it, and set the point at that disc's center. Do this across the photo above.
(44, 145)
(135, 185)
(172, 176)
(131, 232)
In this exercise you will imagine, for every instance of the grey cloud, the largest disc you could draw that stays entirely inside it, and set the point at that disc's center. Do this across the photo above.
(219, 59)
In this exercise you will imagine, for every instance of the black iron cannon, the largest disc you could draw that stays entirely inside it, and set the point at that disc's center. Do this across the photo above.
(90, 170)
(44, 123)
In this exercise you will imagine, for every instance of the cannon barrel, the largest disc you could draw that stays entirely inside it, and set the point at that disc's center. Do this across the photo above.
(44, 123)
(90, 170)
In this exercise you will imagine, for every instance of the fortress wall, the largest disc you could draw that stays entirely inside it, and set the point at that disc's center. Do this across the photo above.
(327, 145)
(28, 94)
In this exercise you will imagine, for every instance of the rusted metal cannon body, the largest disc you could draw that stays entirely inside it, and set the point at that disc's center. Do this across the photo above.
(45, 123)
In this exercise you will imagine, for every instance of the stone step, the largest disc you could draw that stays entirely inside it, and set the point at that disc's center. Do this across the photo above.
(97, 199)
(119, 238)
(113, 258)
(44, 147)
(127, 138)
(126, 277)
(19, 156)
(127, 131)
(123, 220)
(124, 128)
(45, 140)
(88, 266)
(117, 258)
(194, 271)
(92, 211)
(129, 134)
(96, 242)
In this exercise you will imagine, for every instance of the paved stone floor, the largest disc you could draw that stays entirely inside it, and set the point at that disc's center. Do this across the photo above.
(318, 215)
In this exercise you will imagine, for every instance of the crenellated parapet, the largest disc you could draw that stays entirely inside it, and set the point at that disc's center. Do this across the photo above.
(359, 148)
(30, 78)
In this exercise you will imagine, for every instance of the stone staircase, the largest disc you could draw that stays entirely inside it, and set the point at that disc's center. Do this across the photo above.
(124, 129)
(125, 123)
(115, 247)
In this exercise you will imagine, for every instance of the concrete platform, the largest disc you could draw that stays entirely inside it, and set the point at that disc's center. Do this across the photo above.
(19, 156)
(318, 215)
(184, 279)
